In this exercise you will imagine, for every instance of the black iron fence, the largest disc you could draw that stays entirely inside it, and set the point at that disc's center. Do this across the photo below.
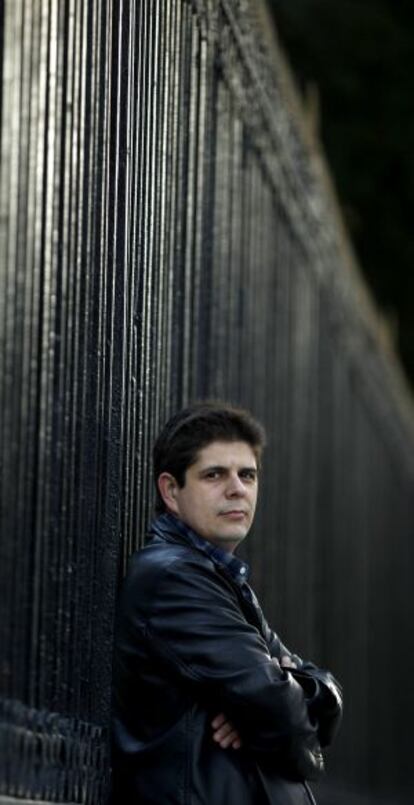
(165, 234)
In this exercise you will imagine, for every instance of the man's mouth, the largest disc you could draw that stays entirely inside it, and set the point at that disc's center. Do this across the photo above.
(234, 514)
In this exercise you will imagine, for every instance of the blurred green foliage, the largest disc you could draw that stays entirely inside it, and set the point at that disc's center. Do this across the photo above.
(360, 55)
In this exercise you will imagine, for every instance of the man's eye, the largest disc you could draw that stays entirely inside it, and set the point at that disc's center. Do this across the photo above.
(248, 475)
(213, 474)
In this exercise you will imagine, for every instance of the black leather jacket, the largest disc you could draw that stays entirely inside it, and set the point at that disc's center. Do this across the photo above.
(188, 646)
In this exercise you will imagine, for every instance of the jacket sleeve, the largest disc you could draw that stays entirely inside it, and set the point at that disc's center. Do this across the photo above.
(194, 625)
(323, 691)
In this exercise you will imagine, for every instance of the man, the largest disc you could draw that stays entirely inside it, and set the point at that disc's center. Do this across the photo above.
(210, 708)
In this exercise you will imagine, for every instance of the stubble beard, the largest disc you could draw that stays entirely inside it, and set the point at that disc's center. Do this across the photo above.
(227, 541)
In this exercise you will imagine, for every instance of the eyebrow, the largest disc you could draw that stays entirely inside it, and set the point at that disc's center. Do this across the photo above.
(221, 468)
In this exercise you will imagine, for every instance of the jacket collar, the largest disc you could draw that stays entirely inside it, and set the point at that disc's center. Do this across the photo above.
(167, 525)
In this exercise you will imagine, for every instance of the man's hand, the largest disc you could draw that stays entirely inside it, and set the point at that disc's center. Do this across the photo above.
(286, 662)
(225, 733)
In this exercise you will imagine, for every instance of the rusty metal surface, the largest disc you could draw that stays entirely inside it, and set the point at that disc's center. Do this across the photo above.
(164, 236)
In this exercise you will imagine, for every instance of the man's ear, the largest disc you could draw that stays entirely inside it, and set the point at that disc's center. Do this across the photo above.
(167, 486)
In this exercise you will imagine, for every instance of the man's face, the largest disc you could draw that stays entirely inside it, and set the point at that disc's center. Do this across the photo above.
(218, 499)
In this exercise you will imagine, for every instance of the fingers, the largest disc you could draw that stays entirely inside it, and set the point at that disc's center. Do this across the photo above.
(218, 721)
(227, 738)
(225, 733)
(286, 662)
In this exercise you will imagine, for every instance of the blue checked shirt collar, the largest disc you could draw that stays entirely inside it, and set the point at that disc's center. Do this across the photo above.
(168, 523)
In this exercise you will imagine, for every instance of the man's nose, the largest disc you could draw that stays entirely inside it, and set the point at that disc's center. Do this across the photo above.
(235, 486)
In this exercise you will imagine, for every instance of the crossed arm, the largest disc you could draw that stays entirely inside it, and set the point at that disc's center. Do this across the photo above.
(195, 626)
(224, 732)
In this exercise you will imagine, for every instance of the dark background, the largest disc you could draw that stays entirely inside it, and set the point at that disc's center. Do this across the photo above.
(360, 56)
